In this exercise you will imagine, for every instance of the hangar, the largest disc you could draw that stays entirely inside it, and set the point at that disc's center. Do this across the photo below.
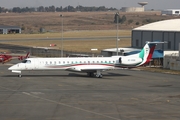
(9, 29)
(166, 30)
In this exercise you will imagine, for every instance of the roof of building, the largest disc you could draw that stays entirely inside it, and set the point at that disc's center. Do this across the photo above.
(5, 27)
(165, 25)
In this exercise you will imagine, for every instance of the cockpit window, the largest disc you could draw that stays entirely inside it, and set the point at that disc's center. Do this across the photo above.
(26, 61)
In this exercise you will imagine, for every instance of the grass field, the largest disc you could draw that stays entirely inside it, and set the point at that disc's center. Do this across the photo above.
(72, 45)
(75, 25)
(76, 34)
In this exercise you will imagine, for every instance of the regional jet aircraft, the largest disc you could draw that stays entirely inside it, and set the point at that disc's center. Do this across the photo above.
(88, 65)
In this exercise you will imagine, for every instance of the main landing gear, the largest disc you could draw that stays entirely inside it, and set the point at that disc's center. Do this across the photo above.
(20, 75)
(98, 74)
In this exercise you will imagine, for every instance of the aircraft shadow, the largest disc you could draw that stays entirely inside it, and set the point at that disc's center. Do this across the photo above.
(109, 74)
(115, 74)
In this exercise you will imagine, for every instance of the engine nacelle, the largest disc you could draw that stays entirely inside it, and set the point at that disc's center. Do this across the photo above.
(129, 60)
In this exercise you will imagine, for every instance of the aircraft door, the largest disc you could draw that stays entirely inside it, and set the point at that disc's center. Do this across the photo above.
(36, 63)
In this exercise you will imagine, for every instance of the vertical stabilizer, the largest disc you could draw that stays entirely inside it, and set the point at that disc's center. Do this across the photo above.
(147, 52)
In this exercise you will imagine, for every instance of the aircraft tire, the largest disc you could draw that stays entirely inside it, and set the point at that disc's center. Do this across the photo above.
(20, 76)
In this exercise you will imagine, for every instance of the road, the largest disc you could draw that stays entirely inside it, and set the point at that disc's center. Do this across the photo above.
(63, 95)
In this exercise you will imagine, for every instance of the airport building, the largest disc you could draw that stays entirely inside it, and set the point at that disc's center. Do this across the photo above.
(171, 12)
(135, 9)
(9, 29)
(167, 31)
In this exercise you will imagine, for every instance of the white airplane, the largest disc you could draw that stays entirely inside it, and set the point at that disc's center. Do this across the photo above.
(89, 65)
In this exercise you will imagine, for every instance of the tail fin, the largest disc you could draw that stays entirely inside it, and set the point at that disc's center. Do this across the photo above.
(27, 55)
(147, 52)
(24, 57)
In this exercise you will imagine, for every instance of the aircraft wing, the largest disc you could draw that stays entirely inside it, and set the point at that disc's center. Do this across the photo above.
(90, 68)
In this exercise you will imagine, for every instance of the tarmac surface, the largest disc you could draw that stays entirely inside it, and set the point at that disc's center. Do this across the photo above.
(64, 95)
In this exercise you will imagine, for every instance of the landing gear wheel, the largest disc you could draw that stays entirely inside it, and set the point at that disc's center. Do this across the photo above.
(99, 75)
(19, 75)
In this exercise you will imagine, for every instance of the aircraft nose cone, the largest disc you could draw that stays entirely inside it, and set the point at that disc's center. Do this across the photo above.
(12, 67)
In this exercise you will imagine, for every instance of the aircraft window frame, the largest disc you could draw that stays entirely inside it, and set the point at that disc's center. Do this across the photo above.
(24, 61)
